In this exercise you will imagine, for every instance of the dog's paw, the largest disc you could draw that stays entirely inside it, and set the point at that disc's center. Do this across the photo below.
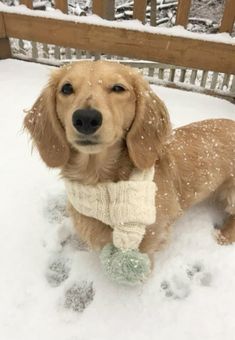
(79, 296)
(180, 286)
(221, 239)
(58, 271)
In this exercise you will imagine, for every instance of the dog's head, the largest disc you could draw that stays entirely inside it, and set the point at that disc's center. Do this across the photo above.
(89, 106)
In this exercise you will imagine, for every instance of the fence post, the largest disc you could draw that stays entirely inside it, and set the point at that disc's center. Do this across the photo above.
(139, 11)
(27, 3)
(183, 12)
(5, 48)
(104, 8)
(62, 5)
(153, 13)
(228, 17)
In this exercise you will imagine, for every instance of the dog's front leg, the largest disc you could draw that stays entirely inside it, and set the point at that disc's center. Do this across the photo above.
(226, 234)
(156, 236)
(95, 233)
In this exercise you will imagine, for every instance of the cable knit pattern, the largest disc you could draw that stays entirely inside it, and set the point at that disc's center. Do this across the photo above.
(126, 206)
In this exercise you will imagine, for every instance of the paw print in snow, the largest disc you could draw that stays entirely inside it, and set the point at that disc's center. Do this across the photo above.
(175, 288)
(79, 296)
(55, 209)
(197, 274)
(58, 271)
(179, 287)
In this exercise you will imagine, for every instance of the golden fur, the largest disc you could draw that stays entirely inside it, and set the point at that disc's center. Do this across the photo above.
(192, 163)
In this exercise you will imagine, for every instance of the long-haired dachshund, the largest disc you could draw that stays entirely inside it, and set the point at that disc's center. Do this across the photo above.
(97, 121)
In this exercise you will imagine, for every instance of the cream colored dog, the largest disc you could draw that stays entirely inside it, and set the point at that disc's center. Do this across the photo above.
(97, 121)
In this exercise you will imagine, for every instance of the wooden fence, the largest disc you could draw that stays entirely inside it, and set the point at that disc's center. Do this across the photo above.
(165, 54)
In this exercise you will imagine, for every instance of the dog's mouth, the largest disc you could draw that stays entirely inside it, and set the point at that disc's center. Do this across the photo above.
(86, 142)
(89, 145)
(92, 144)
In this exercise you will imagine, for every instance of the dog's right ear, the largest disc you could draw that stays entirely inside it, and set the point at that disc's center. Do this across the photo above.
(151, 127)
(46, 130)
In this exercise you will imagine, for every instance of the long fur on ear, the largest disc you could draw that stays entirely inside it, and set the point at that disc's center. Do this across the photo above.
(150, 128)
(46, 131)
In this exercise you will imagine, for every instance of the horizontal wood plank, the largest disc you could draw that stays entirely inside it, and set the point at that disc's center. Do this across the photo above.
(181, 51)
(228, 16)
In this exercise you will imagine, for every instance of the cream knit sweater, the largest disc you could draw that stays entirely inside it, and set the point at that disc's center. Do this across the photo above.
(126, 206)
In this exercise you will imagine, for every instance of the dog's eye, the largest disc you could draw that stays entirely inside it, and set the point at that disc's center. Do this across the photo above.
(67, 89)
(118, 88)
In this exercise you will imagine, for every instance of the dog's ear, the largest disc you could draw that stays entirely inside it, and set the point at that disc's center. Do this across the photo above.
(150, 128)
(45, 128)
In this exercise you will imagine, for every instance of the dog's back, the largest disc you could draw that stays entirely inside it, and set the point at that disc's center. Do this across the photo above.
(204, 155)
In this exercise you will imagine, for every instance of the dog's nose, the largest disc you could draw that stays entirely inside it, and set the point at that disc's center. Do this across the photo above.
(87, 121)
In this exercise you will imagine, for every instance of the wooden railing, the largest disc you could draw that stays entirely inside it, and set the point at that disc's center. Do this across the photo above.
(147, 44)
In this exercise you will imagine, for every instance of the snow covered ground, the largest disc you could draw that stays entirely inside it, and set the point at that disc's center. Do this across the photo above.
(51, 287)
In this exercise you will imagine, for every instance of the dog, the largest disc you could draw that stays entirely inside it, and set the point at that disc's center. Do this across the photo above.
(97, 121)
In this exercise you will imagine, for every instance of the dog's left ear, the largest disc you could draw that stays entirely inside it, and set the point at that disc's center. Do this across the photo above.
(46, 131)
(150, 128)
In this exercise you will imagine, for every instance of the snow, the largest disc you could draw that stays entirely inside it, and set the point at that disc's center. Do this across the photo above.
(136, 25)
(46, 271)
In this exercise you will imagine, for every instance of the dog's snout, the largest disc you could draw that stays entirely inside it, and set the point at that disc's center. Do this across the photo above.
(87, 121)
